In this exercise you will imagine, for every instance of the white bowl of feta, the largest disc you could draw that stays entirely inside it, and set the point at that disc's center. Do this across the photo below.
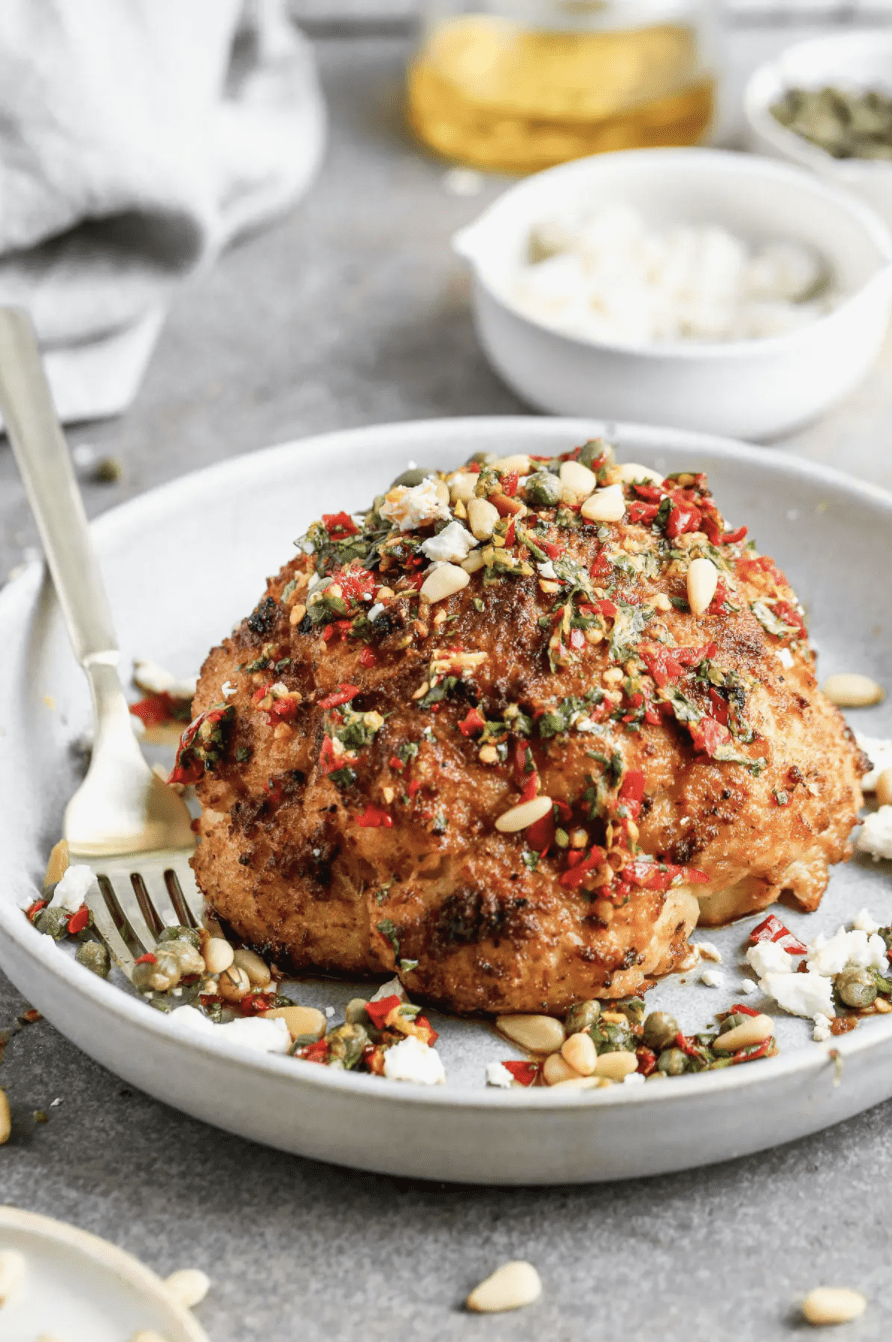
(693, 288)
(855, 61)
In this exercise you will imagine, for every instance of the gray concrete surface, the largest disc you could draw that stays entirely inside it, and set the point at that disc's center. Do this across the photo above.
(349, 312)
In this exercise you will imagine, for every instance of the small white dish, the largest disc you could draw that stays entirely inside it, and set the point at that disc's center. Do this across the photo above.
(749, 389)
(856, 60)
(82, 1289)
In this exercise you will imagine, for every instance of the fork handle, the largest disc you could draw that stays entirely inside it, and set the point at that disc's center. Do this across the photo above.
(45, 464)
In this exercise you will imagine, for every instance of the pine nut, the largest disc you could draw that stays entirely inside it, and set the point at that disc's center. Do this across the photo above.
(188, 1287)
(510, 1287)
(462, 486)
(12, 1269)
(524, 814)
(519, 463)
(583, 1083)
(833, 1304)
(631, 471)
(882, 1007)
(443, 582)
(661, 601)
(556, 1069)
(482, 518)
(441, 489)
(57, 865)
(616, 1066)
(577, 481)
(233, 984)
(487, 755)
(848, 689)
(613, 675)
(300, 1020)
(580, 1052)
(754, 1030)
(539, 1034)
(884, 788)
(297, 613)
(218, 955)
(703, 579)
(474, 562)
(5, 1119)
(607, 505)
(253, 966)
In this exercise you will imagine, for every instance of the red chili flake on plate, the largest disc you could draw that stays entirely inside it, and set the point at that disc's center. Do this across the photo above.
(752, 1052)
(373, 817)
(524, 1073)
(743, 1010)
(30, 1017)
(380, 1010)
(342, 695)
(772, 929)
(78, 920)
(339, 525)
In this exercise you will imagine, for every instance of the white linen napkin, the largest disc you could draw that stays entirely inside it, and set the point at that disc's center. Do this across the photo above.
(137, 138)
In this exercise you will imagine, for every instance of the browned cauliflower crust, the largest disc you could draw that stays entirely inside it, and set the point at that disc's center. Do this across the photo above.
(356, 780)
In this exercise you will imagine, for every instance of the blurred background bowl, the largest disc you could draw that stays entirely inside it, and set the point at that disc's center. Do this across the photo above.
(854, 61)
(748, 389)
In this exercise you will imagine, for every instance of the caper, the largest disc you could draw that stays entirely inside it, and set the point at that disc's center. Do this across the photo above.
(481, 458)
(159, 975)
(94, 956)
(632, 1008)
(660, 1030)
(186, 956)
(856, 987)
(356, 1013)
(732, 1021)
(596, 449)
(347, 1042)
(543, 489)
(416, 476)
(613, 1037)
(672, 1062)
(53, 923)
(582, 1016)
(181, 933)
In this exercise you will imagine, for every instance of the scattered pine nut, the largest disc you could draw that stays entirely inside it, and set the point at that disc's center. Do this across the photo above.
(849, 689)
(253, 966)
(884, 788)
(5, 1119)
(577, 481)
(616, 1066)
(297, 613)
(474, 562)
(218, 955)
(661, 602)
(300, 1020)
(188, 1287)
(556, 1070)
(462, 486)
(631, 471)
(57, 865)
(523, 814)
(882, 1007)
(703, 579)
(510, 1287)
(445, 581)
(233, 984)
(833, 1304)
(580, 1052)
(754, 1030)
(12, 1269)
(487, 755)
(606, 505)
(520, 463)
(540, 1034)
(482, 518)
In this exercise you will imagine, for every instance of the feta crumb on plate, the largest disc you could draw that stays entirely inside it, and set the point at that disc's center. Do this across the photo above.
(72, 890)
(831, 955)
(452, 543)
(808, 994)
(767, 957)
(747, 987)
(709, 951)
(876, 834)
(865, 922)
(635, 1079)
(879, 751)
(251, 1032)
(412, 1060)
(822, 1030)
(712, 978)
(497, 1074)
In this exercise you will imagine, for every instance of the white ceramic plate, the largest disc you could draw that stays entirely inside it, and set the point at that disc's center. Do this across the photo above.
(83, 1289)
(186, 562)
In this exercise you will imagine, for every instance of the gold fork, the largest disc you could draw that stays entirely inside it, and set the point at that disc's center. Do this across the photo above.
(123, 821)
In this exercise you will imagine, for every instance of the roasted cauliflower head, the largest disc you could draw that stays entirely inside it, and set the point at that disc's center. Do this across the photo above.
(511, 733)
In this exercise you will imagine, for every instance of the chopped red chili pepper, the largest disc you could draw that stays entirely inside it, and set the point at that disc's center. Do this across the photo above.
(379, 1011)
(373, 817)
(148, 959)
(686, 1046)
(743, 1010)
(413, 787)
(772, 929)
(683, 517)
(328, 760)
(790, 615)
(531, 787)
(510, 533)
(540, 835)
(580, 866)
(643, 513)
(78, 921)
(553, 551)
(368, 658)
(509, 484)
(750, 1053)
(601, 568)
(339, 525)
(317, 1052)
(422, 1023)
(708, 734)
(33, 909)
(719, 706)
(342, 695)
(472, 722)
(667, 664)
(659, 875)
(254, 1004)
(524, 1073)
(355, 583)
(156, 709)
(647, 1060)
(284, 709)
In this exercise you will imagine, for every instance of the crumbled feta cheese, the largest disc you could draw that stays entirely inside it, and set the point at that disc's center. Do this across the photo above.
(250, 1032)
(747, 987)
(832, 955)
(767, 957)
(801, 994)
(879, 751)
(876, 834)
(634, 1079)
(712, 978)
(154, 679)
(227, 689)
(822, 1030)
(411, 508)
(785, 657)
(451, 544)
(546, 570)
(497, 1074)
(72, 890)
(865, 922)
(709, 951)
(329, 1011)
(412, 1060)
(376, 610)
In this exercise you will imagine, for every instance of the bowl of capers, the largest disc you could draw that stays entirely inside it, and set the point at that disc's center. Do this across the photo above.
(826, 104)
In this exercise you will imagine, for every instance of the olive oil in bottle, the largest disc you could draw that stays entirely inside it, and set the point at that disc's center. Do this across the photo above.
(518, 86)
